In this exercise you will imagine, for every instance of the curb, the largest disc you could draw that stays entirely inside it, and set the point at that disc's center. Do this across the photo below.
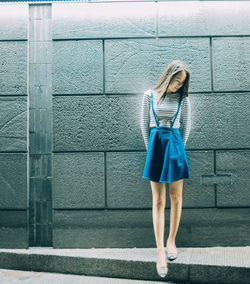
(193, 265)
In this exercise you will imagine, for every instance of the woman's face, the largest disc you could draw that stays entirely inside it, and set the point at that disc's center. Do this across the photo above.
(177, 82)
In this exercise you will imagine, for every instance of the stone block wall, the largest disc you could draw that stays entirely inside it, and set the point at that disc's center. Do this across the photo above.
(89, 64)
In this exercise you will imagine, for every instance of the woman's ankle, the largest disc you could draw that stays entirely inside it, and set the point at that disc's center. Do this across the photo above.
(171, 242)
(161, 248)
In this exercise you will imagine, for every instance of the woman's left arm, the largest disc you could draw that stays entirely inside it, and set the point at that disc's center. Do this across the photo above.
(186, 119)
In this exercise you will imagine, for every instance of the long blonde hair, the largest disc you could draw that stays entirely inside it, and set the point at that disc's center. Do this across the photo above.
(168, 75)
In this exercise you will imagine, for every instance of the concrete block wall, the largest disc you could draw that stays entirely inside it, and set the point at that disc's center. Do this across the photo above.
(103, 57)
(13, 126)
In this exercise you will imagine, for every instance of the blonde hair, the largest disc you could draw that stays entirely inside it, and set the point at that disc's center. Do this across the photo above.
(168, 75)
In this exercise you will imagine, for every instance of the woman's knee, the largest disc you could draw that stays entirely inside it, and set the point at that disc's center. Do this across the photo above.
(159, 195)
(175, 191)
(175, 197)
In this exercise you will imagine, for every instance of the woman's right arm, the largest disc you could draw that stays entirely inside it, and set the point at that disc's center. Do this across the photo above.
(145, 118)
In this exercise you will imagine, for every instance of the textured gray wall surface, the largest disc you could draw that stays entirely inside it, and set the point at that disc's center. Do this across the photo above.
(13, 126)
(92, 62)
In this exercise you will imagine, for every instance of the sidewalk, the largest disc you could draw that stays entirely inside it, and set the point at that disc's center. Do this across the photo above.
(28, 277)
(193, 265)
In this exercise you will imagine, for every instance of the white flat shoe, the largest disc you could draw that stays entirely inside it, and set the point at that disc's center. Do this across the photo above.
(171, 255)
(162, 271)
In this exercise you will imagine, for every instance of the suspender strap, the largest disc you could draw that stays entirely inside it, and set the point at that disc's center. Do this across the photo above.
(179, 104)
(177, 110)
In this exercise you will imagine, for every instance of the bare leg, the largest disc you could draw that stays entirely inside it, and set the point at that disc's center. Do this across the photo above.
(175, 193)
(158, 214)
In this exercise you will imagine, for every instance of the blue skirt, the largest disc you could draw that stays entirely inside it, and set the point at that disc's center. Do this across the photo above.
(166, 159)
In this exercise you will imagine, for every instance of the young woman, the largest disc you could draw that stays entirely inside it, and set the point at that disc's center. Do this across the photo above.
(164, 109)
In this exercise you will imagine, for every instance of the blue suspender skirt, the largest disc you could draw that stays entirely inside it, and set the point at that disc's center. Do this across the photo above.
(166, 159)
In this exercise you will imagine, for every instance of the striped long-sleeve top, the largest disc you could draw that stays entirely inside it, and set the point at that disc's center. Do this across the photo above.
(165, 112)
